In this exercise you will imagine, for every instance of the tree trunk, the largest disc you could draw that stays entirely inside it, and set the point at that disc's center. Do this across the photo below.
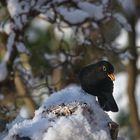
(132, 76)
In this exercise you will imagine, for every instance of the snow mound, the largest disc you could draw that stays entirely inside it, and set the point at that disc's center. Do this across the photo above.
(66, 115)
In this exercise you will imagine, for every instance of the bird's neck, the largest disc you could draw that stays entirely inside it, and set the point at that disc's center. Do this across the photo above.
(105, 86)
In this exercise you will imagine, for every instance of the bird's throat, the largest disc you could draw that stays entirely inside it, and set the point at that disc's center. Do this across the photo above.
(103, 87)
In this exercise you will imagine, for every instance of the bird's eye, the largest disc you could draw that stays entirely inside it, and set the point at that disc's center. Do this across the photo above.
(104, 68)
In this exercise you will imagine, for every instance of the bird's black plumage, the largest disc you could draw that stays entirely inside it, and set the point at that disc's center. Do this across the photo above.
(96, 79)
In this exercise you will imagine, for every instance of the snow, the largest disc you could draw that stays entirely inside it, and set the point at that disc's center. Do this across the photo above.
(128, 6)
(50, 14)
(16, 121)
(3, 71)
(13, 7)
(59, 1)
(9, 46)
(1, 96)
(73, 16)
(54, 59)
(95, 11)
(105, 2)
(21, 48)
(6, 27)
(122, 39)
(24, 18)
(87, 121)
(67, 95)
(126, 56)
(3, 64)
(86, 10)
(40, 23)
(28, 128)
(122, 20)
(18, 12)
(24, 70)
(18, 22)
(95, 25)
(32, 36)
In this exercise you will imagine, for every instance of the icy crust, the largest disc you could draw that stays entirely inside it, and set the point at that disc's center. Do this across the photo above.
(84, 119)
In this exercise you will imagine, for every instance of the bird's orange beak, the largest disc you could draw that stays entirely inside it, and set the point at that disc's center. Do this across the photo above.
(111, 76)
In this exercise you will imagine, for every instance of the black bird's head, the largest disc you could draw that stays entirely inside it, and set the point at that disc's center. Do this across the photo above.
(97, 79)
(104, 69)
(93, 74)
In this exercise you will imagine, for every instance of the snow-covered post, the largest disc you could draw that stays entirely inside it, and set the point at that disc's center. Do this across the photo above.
(70, 114)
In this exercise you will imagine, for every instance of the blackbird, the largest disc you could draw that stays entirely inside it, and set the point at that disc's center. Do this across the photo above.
(97, 79)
